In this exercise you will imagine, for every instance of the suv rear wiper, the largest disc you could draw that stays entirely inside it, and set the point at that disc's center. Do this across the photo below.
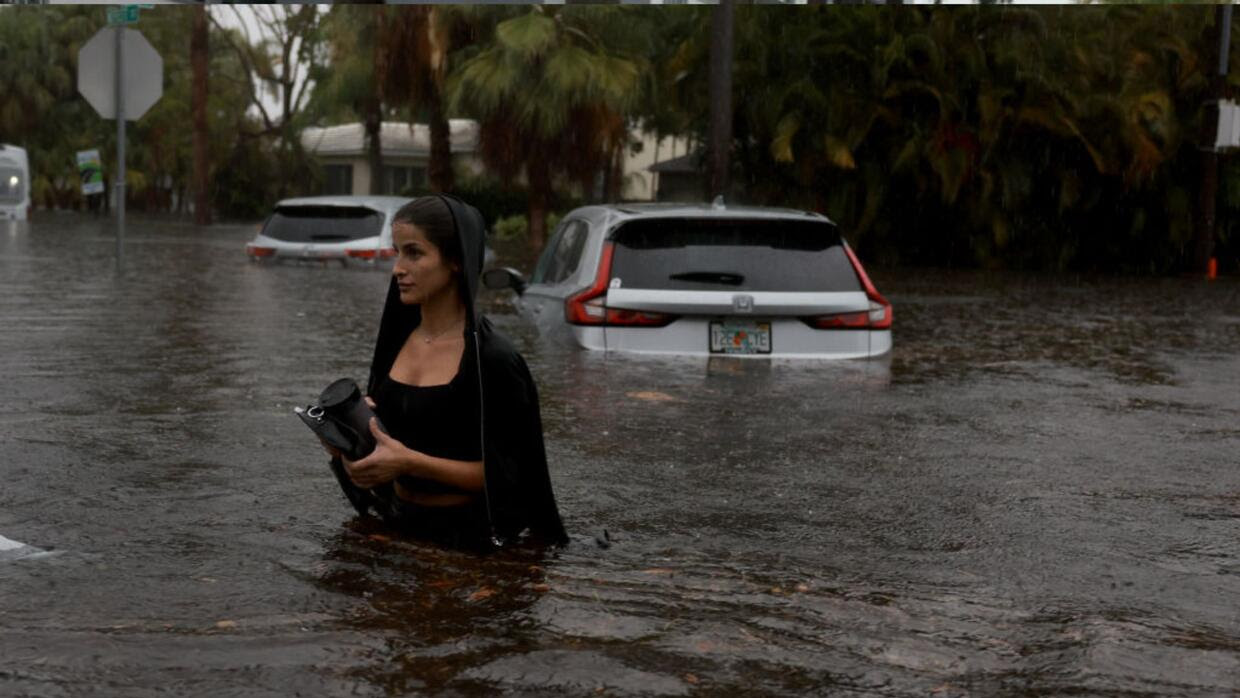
(710, 277)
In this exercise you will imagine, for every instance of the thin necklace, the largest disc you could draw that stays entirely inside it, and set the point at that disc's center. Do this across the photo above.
(439, 334)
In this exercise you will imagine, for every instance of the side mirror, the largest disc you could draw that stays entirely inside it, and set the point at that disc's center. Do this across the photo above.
(504, 277)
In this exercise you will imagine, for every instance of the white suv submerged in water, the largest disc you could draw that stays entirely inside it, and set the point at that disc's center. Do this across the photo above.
(703, 280)
(345, 228)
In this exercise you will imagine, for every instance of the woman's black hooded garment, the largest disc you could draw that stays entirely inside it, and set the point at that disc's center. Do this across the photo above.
(517, 489)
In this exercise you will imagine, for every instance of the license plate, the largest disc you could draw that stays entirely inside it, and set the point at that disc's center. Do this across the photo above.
(740, 337)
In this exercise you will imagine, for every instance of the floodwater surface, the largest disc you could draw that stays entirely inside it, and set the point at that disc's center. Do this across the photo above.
(1035, 493)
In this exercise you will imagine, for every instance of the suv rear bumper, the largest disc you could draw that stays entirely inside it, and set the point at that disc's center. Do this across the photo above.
(790, 339)
(270, 248)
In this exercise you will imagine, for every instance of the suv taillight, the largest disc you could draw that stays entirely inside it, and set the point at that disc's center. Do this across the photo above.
(589, 306)
(381, 253)
(586, 307)
(878, 317)
(619, 317)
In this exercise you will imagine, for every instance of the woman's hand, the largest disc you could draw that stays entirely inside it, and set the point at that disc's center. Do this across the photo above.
(389, 459)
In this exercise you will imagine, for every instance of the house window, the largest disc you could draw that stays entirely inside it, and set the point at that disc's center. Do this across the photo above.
(337, 179)
(403, 179)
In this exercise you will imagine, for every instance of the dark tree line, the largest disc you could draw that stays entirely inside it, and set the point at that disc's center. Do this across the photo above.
(1048, 137)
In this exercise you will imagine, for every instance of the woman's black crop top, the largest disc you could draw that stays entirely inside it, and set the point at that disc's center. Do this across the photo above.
(438, 420)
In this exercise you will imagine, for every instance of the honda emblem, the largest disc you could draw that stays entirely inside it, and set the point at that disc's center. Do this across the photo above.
(742, 303)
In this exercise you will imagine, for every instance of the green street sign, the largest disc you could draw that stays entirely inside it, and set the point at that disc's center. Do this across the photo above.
(125, 14)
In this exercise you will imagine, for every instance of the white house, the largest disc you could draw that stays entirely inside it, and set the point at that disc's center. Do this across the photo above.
(405, 149)
(641, 176)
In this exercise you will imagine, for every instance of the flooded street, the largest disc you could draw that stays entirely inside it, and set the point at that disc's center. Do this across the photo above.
(1036, 493)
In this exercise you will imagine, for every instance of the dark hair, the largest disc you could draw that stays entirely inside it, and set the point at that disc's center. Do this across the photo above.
(431, 214)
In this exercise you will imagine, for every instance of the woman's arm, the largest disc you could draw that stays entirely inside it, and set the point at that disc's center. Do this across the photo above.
(463, 474)
(391, 459)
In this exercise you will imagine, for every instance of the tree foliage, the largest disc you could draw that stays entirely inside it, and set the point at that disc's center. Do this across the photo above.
(1038, 137)
(1035, 137)
(552, 90)
(43, 111)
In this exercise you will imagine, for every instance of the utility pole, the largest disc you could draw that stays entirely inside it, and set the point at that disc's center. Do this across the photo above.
(198, 52)
(719, 144)
(1203, 247)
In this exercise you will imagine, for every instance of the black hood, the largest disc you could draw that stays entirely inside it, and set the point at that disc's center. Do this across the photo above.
(400, 319)
(517, 482)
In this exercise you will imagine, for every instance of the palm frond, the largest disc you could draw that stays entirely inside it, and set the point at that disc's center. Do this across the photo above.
(785, 132)
(529, 34)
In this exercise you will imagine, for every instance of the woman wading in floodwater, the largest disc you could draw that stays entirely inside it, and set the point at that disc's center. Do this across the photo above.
(463, 463)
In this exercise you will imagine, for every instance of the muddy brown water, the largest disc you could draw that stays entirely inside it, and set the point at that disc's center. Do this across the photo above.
(1036, 493)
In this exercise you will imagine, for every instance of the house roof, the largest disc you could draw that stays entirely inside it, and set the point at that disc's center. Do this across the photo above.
(687, 164)
(395, 138)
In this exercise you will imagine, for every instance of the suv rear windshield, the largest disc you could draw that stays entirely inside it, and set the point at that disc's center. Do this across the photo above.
(729, 254)
(323, 223)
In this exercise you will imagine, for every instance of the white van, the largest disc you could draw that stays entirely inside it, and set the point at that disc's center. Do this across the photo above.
(14, 183)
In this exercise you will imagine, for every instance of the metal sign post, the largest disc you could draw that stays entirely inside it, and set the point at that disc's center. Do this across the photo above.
(120, 141)
(121, 81)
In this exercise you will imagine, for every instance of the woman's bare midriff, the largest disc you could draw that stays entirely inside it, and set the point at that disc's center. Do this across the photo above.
(438, 499)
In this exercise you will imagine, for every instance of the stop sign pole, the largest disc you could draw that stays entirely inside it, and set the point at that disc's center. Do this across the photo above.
(119, 30)
(121, 81)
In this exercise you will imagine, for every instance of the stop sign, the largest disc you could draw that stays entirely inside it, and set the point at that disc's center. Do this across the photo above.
(143, 76)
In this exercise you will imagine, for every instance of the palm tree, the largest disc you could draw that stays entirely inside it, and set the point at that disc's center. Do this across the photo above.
(417, 41)
(354, 80)
(719, 147)
(384, 59)
(553, 89)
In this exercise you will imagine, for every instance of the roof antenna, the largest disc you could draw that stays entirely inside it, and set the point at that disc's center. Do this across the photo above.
(718, 202)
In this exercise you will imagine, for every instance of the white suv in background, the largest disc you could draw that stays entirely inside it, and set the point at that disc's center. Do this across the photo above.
(345, 228)
(703, 280)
